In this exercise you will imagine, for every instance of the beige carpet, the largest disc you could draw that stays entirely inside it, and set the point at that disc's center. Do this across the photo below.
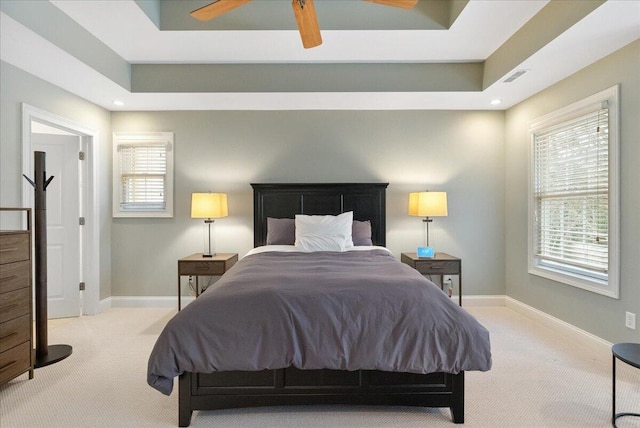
(539, 379)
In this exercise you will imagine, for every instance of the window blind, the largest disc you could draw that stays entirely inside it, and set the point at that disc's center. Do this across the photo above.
(143, 175)
(571, 191)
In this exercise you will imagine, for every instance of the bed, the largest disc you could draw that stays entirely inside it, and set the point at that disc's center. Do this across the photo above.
(216, 372)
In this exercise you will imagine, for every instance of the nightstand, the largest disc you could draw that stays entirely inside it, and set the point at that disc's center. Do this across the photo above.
(442, 264)
(197, 265)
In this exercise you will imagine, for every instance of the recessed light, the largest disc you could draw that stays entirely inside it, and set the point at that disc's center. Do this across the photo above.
(118, 102)
(495, 102)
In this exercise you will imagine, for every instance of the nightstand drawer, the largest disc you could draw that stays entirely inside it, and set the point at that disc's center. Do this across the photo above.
(15, 332)
(201, 268)
(437, 267)
(14, 276)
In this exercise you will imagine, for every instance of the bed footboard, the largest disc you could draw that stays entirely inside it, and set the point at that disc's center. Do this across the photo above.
(223, 390)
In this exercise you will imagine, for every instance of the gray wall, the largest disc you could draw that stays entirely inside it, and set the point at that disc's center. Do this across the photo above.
(602, 316)
(461, 152)
(19, 87)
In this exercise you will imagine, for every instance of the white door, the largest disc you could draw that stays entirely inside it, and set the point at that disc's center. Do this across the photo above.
(63, 229)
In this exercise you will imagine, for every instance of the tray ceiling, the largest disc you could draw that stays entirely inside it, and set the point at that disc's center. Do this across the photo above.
(449, 54)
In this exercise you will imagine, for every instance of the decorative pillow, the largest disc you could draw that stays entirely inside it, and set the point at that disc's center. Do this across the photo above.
(281, 231)
(361, 233)
(310, 227)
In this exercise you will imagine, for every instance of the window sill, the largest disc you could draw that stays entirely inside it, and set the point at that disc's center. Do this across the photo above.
(142, 214)
(604, 288)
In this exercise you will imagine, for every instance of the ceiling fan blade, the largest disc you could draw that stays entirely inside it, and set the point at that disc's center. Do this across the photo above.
(404, 4)
(217, 8)
(305, 13)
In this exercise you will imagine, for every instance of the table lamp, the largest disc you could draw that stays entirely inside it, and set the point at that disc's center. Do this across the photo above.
(427, 204)
(209, 206)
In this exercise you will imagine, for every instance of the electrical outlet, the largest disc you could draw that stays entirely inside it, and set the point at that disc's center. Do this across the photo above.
(446, 279)
(630, 320)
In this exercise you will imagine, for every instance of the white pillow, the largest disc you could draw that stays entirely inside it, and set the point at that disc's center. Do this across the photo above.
(312, 242)
(324, 231)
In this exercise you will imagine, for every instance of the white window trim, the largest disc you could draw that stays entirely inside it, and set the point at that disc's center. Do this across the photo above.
(142, 138)
(610, 286)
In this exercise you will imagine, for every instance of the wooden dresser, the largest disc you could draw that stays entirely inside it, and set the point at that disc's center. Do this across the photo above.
(16, 309)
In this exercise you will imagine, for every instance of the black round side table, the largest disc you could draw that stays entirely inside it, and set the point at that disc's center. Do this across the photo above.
(630, 354)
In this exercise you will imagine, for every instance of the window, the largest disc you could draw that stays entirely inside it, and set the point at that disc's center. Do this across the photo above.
(573, 195)
(143, 174)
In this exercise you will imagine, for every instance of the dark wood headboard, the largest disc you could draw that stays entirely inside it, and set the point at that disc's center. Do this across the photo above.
(280, 200)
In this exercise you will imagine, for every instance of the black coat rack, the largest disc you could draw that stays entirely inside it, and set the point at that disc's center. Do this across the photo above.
(45, 354)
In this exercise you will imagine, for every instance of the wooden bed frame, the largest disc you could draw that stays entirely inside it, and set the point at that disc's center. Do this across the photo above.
(291, 386)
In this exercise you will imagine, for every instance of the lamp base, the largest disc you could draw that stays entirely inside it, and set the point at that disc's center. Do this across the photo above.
(208, 255)
(427, 252)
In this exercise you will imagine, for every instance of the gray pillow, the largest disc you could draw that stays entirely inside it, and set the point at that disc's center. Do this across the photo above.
(361, 233)
(281, 231)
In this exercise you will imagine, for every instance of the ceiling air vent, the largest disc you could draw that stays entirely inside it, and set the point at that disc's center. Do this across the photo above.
(514, 76)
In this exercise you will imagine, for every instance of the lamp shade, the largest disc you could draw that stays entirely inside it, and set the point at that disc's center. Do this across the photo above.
(428, 204)
(209, 205)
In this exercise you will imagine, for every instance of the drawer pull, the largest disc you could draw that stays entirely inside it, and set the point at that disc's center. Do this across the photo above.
(6, 250)
(6, 366)
(8, 307)
(8, 278)
(6, 336)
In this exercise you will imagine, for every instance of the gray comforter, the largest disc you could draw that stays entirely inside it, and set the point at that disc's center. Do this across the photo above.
(347, 311)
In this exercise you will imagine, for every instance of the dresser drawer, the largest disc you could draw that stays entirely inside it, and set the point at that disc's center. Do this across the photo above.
(15, 332)
(438, 267)
(14, 247)
(15, 361)
(14, 276)
(14, 304)
(201, 268)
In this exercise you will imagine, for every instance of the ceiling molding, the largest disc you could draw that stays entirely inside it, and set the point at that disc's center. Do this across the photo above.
(106, 50)
(553, 20)
(46, 20)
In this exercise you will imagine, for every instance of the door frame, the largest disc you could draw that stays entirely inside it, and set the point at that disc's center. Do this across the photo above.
(90, 251)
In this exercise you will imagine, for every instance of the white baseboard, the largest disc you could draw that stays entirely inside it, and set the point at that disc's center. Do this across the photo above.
(593, 343)
(475, 301)
(104, 304)
(148, 301)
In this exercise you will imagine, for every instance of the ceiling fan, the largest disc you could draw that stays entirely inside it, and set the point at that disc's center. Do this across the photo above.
(303, 10)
